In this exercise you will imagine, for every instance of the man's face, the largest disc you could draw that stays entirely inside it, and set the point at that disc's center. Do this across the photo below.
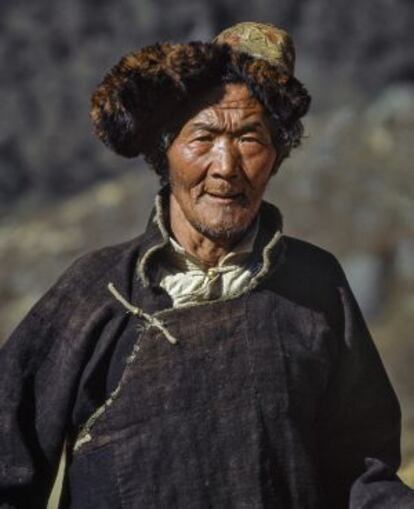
(221, 161)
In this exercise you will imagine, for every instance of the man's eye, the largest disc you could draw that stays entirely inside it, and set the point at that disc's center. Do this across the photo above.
(250, 139)
(203, 138)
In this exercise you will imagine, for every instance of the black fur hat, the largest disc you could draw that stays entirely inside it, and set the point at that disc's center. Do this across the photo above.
(141, 93)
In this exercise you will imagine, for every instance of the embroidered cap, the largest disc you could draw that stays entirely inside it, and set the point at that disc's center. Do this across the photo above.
(261, 40)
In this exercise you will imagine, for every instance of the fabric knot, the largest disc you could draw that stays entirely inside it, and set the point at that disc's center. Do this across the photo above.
(152, 321)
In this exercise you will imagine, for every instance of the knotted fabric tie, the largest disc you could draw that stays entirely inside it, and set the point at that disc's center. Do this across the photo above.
(151, 320)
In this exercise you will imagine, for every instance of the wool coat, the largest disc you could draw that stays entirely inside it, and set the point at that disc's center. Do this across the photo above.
(274, 397)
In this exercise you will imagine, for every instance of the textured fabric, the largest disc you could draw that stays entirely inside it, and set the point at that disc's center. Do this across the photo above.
(262, 41)
(275, 398)
(186, 279)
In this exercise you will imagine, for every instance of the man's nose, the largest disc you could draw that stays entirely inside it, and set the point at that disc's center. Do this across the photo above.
(226, 163)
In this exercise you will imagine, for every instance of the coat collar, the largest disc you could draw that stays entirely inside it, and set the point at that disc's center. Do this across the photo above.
(268, 244)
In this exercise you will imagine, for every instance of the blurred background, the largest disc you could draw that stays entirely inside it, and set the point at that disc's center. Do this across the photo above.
(348, 188)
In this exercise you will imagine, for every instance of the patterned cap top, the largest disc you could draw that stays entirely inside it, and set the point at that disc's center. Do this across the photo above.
(261, 40)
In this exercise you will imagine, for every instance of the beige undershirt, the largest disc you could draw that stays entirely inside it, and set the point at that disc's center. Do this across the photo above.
(186, 279)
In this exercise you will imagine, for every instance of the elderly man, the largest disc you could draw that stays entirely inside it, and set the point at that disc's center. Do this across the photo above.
(212, 362)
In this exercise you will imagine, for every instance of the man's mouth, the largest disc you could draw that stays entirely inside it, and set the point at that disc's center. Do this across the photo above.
(226, 197)
(229, 197)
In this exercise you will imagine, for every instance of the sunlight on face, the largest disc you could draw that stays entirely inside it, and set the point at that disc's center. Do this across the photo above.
(221, 161)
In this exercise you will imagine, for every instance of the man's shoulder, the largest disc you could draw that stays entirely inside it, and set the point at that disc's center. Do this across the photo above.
(309, 276)
(311, 264)
(109, 254)
(300, 250)
(100, 265)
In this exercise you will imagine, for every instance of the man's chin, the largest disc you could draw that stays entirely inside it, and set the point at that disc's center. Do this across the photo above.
(224, 231)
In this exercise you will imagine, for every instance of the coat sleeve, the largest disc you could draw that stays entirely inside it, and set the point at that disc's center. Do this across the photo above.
(361, 421)
(39, 368)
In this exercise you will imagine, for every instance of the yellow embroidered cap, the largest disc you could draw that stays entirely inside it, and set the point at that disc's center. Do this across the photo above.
(261, 40)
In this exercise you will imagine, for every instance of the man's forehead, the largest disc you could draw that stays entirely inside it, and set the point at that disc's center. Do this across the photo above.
(225, 104)
(231, 113)
(233, 95)
(235, 100)
(245, 104)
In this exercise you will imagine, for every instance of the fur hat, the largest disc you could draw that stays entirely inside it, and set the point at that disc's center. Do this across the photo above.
(139, 95)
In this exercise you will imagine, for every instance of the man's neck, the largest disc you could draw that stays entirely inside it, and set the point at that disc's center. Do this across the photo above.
(207, 250)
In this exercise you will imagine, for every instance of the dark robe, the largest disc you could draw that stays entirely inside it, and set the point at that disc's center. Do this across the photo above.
(273, 398)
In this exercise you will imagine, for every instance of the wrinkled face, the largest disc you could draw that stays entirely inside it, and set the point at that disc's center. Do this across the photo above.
(220, 163)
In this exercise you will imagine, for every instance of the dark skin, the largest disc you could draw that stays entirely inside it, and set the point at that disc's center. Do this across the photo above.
(219, 166)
